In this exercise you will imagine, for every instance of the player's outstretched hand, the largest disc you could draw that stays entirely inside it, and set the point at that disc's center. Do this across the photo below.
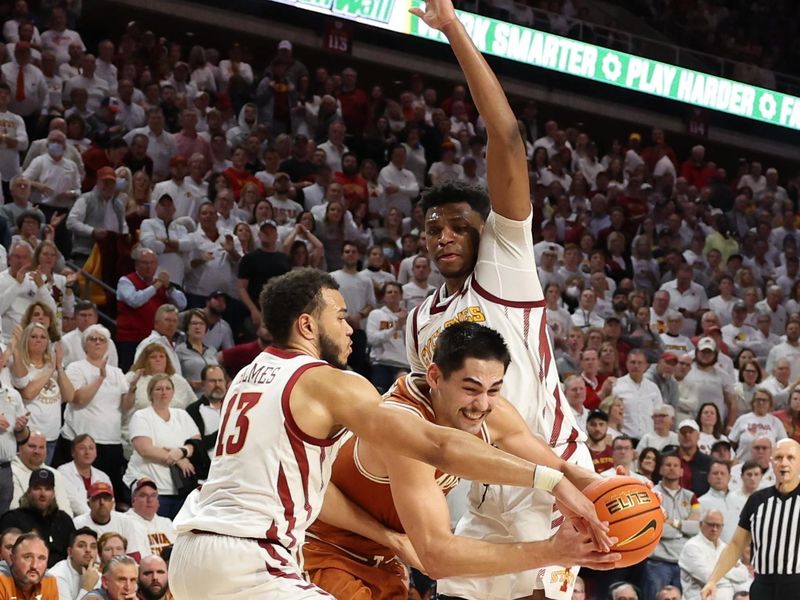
(574, 505)
(438, 13)
(572, 547)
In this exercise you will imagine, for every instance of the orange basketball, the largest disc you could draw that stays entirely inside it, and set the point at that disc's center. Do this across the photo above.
(633, 513)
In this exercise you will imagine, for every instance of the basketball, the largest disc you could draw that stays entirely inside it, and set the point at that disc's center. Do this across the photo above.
(633, 513)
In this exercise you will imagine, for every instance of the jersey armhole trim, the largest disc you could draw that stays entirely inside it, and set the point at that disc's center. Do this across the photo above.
(510, 303)
(291, 424)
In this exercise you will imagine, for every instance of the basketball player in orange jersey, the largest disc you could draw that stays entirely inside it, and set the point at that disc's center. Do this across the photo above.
(283, 423)
(461, 390)
(483, 248)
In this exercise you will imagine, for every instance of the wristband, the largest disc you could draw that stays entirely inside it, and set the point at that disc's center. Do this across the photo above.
(546, 478)
(184, 451)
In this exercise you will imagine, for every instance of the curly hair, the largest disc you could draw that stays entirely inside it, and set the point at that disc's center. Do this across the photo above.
(455, 191)
(287, 297)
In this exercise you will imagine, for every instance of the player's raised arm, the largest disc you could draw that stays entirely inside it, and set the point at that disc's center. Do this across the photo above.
(506, 163)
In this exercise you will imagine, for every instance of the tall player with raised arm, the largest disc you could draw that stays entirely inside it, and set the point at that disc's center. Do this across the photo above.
(283, 423)
(483, 247)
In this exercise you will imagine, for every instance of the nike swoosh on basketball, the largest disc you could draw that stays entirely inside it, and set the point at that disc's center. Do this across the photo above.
(640, 533)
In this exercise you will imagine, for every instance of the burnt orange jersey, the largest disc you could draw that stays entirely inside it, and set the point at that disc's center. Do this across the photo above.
(45, 590)
(373, 493)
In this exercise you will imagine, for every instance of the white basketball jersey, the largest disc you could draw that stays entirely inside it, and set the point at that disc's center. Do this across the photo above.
(504, 293)
(267, 478)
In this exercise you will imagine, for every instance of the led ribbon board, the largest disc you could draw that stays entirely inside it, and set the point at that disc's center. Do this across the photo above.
(572, 57)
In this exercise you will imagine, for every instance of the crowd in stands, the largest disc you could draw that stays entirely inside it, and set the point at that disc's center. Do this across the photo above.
(185, 180)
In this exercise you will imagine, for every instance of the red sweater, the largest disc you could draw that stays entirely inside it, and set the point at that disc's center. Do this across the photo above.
(135, 324)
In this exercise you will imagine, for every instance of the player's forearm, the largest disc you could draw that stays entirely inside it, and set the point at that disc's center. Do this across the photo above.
(483, 85)
(467, 557)
(467, 456)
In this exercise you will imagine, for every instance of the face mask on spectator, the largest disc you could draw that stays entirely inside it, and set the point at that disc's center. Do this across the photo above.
(573, 291)
(122, 183)
(55, 149)
(388, 252)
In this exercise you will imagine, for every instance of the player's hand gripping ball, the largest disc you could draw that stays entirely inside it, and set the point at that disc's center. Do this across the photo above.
(633, 513)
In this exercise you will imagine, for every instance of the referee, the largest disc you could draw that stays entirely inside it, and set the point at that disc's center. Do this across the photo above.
(770, 520)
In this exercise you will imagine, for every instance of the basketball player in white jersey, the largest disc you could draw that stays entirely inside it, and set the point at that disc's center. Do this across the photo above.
(486, 258)
(283, 423)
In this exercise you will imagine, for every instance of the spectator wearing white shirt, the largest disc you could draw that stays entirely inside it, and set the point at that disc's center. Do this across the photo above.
(756, 473)
(30, 458)
(575, 393)
(19, 287)
(707, 382)
(772, 305)
(586, 316)
(58, 38)
(78, 574)
(687, 297)
(79, 473)
(234, 67)
(165, 333)
(446, 169)
(131, 116)
(790, 350)
(21, 14)
(105, 68)
(102, 518)
(673, 339)
(639, 395)
(334, 146)
(161, 145)
(96, 87)
(722, 304)
(161, 532)
(54, 177)
(758, 424)
(214, 259)
(418, 288)
(13, 140)
(186, 203)
(386, 337)
(399, 184)
(27, 85)
(720, 498)
(661, 435)
(54, 84)
(700, 554)
(168, 238)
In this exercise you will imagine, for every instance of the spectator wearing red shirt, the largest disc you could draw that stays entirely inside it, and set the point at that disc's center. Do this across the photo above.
(696, 170)
(238, 174)
(235, 358)
(354, 186)
(187, 140)
(597, 389)
(95, 158)
(354, 102)
(650, 156)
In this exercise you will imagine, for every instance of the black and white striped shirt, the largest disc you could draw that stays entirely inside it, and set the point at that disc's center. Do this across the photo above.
(773, 521)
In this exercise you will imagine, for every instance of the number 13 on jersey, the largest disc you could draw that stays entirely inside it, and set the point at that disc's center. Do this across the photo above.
(231, 441)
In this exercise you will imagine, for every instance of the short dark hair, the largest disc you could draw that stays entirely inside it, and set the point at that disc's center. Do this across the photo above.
(724, 463)
(466, 340)
(623, 438)
(81, 437)
(24, 537)
(456, 191)
(117, 143)
(82, 305)
(5, 87)
(82, 531)
(395, 284)
(751, 464)
(194, 312)
(287, 297)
